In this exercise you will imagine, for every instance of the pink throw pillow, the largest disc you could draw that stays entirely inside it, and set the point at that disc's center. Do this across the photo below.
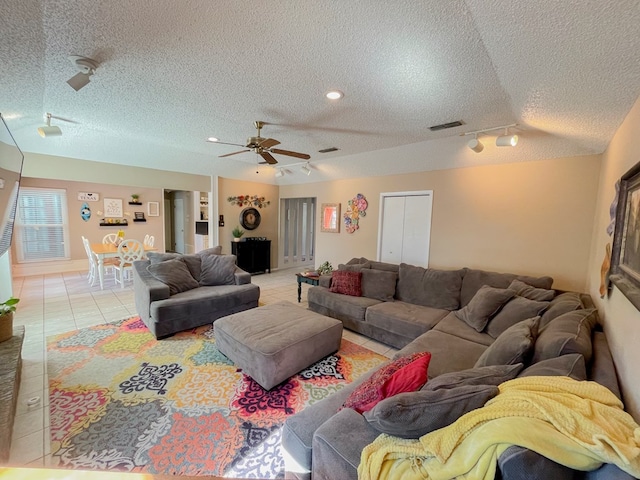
(346, 283)
(406, 374)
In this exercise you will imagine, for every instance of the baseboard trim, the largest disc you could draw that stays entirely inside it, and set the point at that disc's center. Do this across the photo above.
(45, 268)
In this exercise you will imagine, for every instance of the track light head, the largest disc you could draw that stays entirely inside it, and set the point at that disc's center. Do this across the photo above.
(48, 130)
(507, 141)
(475, 145)
(305, 169)
(280, 173)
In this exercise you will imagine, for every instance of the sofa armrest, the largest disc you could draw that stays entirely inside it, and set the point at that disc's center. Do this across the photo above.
(242, 277)
(146, 288)
(325, 281)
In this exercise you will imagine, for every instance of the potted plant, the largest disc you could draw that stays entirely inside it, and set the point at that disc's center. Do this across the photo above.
(237, 232)
(325, 269)
(6, 318)
(134, 198)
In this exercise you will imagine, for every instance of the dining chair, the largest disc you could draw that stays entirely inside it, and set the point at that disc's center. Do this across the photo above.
(110, 238)
(93, 262)
(146, 239)
(150, 240)
(129, 251)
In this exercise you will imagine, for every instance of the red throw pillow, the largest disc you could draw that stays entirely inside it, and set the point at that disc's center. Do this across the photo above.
(406, 374)
(347, 283)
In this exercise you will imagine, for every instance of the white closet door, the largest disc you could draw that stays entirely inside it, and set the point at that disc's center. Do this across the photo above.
(392, 225)
(405, 227)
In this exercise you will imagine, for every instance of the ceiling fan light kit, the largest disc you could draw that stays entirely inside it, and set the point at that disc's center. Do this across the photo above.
(505, 140)
(49, 130)
(86, 67)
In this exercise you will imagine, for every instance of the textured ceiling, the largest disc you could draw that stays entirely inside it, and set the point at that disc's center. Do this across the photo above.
(173, 73)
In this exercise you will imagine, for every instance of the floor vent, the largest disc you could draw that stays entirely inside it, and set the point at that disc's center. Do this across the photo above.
(327, 150)
(444, 126)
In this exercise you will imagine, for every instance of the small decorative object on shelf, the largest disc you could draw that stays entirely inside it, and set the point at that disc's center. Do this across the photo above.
(139, 217)
(246, 200)
(356, 209)
(135, 199)
(237, 232)
(114, 222)
(6, 318)
(325, 269)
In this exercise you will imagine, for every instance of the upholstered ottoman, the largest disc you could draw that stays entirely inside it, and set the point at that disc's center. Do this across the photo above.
(274, 342)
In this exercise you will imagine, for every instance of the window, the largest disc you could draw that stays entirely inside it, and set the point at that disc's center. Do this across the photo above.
(42, 225)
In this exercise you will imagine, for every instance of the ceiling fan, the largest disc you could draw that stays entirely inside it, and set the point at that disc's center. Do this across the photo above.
(263, 147)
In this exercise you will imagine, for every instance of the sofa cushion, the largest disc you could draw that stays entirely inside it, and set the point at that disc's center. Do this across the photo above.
(429, 287)
(532, 293)
(411, 415)
(192, 261)
(173, 273)
(346, 282)
(489, 375)
(516, 310)
(561, 304)
(484, 305)
(568, 333)
(379, 284)
(405, 319)
(452, 325)
(514, 345)
(570, 365)
(474, 279)
(218, 270)
(339, 306)
(387, 267)
(448, 352)
(402, 375)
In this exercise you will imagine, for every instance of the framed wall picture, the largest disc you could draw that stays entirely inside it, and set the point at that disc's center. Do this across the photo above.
(153, 209)
(330, 218)
(625, 258)
(113, 207)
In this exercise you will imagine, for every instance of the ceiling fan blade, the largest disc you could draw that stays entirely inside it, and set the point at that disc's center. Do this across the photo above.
(225, 143)
(269, 142)
(291, 154)
(234, 153)
(268, 158)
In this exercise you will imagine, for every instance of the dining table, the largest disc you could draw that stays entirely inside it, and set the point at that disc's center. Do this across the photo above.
(109, 250)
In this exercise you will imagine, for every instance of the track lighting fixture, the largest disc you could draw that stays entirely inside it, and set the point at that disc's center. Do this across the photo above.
(280, 173)
(475, 144)
(49, 130)
(305, 169)
(505, 140)
(86, 67)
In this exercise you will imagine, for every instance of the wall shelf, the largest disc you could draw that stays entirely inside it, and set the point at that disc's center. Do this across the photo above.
(135, 203)
(139, 219)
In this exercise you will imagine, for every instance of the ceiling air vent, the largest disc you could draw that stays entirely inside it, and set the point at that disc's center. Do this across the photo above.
(444, 126)
(327, 150)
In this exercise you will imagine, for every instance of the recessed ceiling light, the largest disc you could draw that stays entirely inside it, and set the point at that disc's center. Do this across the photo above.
(212, 139)
(334, 95)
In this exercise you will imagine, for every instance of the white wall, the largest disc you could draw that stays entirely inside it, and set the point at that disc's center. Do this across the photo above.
(621, 319)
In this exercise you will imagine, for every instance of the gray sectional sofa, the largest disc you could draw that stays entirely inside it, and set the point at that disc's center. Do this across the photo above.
(176, 292)
(471, 321)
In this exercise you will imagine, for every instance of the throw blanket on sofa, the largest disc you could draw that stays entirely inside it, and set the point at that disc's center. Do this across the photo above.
(577, 424)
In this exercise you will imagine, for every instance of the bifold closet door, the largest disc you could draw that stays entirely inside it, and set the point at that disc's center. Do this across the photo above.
(405, 228)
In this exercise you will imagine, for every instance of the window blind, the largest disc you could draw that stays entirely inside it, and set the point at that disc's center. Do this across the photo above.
(42, 225)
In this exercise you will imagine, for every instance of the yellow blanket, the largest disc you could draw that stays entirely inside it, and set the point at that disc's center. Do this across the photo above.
(578, 424)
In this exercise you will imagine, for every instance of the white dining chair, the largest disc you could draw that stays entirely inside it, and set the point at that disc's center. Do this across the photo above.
(129, 251)
(93, 262)
(150, 240)
(146, 239)
(110, 238)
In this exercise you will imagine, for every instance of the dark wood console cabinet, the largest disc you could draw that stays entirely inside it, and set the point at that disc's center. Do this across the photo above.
(253, 256)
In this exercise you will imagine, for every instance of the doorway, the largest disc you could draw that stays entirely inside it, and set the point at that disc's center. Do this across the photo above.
(405, 227)
(179, 227)
(297, 232)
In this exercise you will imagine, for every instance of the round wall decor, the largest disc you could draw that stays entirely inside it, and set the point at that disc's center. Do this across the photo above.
(250, 218)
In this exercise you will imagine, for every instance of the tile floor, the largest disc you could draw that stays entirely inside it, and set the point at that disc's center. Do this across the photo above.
(57, 303)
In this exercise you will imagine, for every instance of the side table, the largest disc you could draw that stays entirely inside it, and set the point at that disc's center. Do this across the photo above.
(304, 279)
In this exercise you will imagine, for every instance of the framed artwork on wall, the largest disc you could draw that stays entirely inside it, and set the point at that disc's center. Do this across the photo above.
(153, 209)
(113, 207)
(625, 257)
(330, 218)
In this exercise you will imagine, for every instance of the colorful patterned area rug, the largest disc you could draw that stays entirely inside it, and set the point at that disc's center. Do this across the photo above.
(122, 400)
